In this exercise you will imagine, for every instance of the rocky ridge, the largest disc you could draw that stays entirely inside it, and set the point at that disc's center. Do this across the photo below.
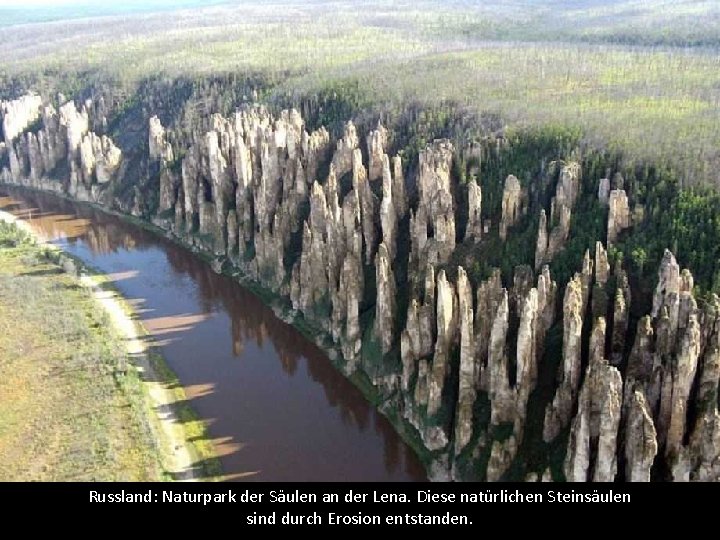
(87, 160)
(456, 360)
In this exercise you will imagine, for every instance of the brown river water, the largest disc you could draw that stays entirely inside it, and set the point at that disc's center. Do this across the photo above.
(277, 408)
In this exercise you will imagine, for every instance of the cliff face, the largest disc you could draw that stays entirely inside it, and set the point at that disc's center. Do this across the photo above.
(512, 205)
(458, 357)
(550, 243)
(18, 114)
(432, 224)
(619, 215)
(64, 141)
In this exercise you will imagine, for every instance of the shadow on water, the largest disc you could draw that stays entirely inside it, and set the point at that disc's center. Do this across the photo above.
(275, 406)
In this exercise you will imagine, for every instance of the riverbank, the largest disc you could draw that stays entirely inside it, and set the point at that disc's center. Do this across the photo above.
(130, 420)
(433, 463)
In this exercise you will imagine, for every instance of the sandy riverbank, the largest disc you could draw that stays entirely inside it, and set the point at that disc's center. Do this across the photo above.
(177, 454)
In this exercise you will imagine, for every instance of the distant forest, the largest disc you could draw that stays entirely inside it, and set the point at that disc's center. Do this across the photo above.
(630, 87)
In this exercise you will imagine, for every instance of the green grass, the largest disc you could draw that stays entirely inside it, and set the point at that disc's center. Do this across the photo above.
(193, 427)
(69, 408)
(121, 439)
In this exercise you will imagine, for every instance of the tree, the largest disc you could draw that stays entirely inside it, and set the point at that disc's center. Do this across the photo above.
(639, 258)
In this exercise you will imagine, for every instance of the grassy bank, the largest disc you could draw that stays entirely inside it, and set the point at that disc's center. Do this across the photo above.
(73, 406)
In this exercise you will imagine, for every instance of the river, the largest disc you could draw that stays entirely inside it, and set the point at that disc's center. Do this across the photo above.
(277, 409)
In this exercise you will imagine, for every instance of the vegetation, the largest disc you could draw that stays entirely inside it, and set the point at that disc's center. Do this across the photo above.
(644, 79)
(71, 409)
(639, 96)
(629, 90)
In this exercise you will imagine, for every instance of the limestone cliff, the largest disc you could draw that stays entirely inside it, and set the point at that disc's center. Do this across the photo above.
(16, 115)
(559, 411)
(592, 445)
(63, 155)
(549, 244)
(342, 160)
(377, 141)
(387, 263)
(474, 226)
(435, 211)
(385, 306)
(618, 216)
(468, 377)
(640, 440)
(511, 205)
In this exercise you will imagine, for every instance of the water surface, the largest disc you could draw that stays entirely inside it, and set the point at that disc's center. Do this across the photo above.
(276, 407)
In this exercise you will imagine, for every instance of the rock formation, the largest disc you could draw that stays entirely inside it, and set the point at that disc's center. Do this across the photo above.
(703, 454)
(468, 367)
(342, 160)
(604, 191)
(446, 330)
(681, 378)
(568, 187)
(157, 145)
(368, 204)
(558, 235)
(244, 189)
(99, 159)
(16, 115)
(501, 395)
(602, 267)
(594, 431)
(388, 210)
(418, 339)
(559, 411)
(490, 293)
(64, 138)
(473, 231)
(640, 440)
(435, 208)
(526, 355)
(618, 216)
(561, 206)
(398, 188)
(511, 205)
(376, 143)
(541, 245)
(385, 306)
